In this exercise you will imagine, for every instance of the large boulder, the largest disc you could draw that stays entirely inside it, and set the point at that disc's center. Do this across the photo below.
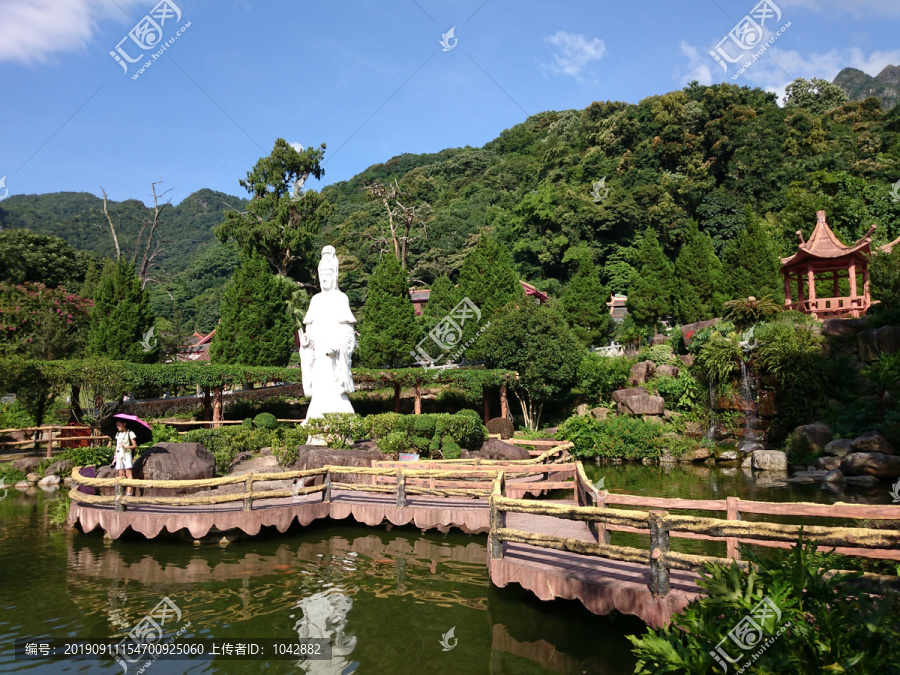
(600, 413)
(885, 467)
(659, 339)
(872, 442)
(667, 371)
(694, 429)
(27, 464)
(828, 463)
(363, 454)
(769, 460)
(59, 467)
(811, 438)
(637, 401)
(174, 461)
(842, 327)
(494, 449)
(689, 330)
(839, 447)
(641, 372)
(873, 343)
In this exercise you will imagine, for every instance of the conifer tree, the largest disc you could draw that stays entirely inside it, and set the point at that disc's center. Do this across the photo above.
(488, 278)
(751, 262)
(388, 331)
(584, 303)
(443, 297)
(650, 296)
(121, 319)
(255, 328)
(700, 281)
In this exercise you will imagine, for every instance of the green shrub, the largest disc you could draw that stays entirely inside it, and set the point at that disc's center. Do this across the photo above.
(884, 373)
(9, 475)
(395, 442)
(660, 355)
(683, 393)
(720, 358)
(600, 376)
(825, 625)
(59, 510)
(616, 437)
(265, 420)
(14, 416)
(449, 448)
(381, 425)
(97, 456)
(465, 426)
(700, 338)
(286, 442)
(247, 422)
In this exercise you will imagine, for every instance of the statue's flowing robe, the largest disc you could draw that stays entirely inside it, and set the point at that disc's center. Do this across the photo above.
(325, 361)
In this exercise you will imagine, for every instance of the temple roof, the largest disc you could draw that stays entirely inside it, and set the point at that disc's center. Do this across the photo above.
(824, 245)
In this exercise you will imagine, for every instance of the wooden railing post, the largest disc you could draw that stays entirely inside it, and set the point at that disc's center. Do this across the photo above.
(248, 488)
(498, 520)
(50, 443)
(602, 534)
(326, 493)
(401, 488)
(119, 505)
(659, 546)
(732, 512)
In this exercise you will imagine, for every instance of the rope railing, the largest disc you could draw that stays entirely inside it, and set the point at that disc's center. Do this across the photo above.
(591, 509)
(404, 480)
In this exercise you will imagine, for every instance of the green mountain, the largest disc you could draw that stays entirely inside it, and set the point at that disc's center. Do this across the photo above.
(721, 156)
(78, 218)
(858, 85)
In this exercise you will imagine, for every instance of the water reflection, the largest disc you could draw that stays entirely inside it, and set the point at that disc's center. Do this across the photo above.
(384, 599)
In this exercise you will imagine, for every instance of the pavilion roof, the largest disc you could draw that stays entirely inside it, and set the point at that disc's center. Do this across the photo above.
(823, 244)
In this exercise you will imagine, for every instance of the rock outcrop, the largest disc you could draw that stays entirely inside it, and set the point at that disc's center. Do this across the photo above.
(811, 438)
(174, 461)
(881, 466)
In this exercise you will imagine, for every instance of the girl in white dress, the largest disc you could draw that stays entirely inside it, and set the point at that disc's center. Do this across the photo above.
(125, 444)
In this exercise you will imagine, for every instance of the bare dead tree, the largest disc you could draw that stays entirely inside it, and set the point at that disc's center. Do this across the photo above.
(405, 223)
(112, 227)
(152, 222)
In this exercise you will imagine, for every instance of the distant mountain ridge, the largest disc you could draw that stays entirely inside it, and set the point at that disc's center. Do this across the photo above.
(78, 218)
(859, 86)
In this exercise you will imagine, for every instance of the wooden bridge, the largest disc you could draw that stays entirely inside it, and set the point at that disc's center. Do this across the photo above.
(554, 548)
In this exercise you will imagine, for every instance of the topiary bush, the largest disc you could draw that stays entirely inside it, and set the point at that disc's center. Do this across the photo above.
(247, 422)
(265, 420)
(502, 426)
(616, 437)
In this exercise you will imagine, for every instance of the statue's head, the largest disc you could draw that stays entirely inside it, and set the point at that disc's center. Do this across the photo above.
(328, 269)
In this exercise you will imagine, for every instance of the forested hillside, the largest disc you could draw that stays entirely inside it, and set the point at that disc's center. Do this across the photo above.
(721, 175)
(722, 158)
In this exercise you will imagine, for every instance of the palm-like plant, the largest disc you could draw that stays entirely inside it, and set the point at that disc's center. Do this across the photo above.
(749, 311)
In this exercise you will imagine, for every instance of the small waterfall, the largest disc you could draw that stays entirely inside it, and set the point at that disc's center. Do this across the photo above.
(750, 407)
(713, 423)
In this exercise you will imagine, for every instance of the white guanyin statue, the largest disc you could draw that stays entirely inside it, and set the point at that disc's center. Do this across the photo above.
(327, 345)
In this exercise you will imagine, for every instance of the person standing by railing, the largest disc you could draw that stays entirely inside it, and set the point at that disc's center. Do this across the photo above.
(126, 443)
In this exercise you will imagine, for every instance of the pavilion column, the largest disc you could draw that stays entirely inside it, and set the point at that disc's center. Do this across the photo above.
(504, 405)
(852, 282)
(787, 291)
(867, 300)
(811, 280)
(800, 296)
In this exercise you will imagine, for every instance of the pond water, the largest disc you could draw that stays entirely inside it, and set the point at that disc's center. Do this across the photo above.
(385, 598)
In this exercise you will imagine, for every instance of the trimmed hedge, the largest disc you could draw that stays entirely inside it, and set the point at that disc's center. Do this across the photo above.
(616, 437)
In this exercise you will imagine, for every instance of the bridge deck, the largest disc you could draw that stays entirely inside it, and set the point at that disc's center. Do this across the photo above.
(601, 585)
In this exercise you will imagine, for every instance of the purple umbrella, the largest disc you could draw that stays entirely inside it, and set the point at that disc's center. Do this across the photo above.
(142, 431)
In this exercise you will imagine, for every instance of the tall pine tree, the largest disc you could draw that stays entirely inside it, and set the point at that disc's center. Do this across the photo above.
(489, 279)
(584, 301)
(122, 319)
(752, 265)
(650, 296)
(255, 328)
(388, 331)
(700, 281)
(443, 297)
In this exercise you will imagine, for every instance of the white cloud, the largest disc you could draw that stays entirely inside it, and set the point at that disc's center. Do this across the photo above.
(33, 30)
(297, 146)
(777, 68)
(573, 53)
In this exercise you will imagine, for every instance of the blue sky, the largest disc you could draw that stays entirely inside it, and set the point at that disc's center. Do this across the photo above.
(370, 79)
